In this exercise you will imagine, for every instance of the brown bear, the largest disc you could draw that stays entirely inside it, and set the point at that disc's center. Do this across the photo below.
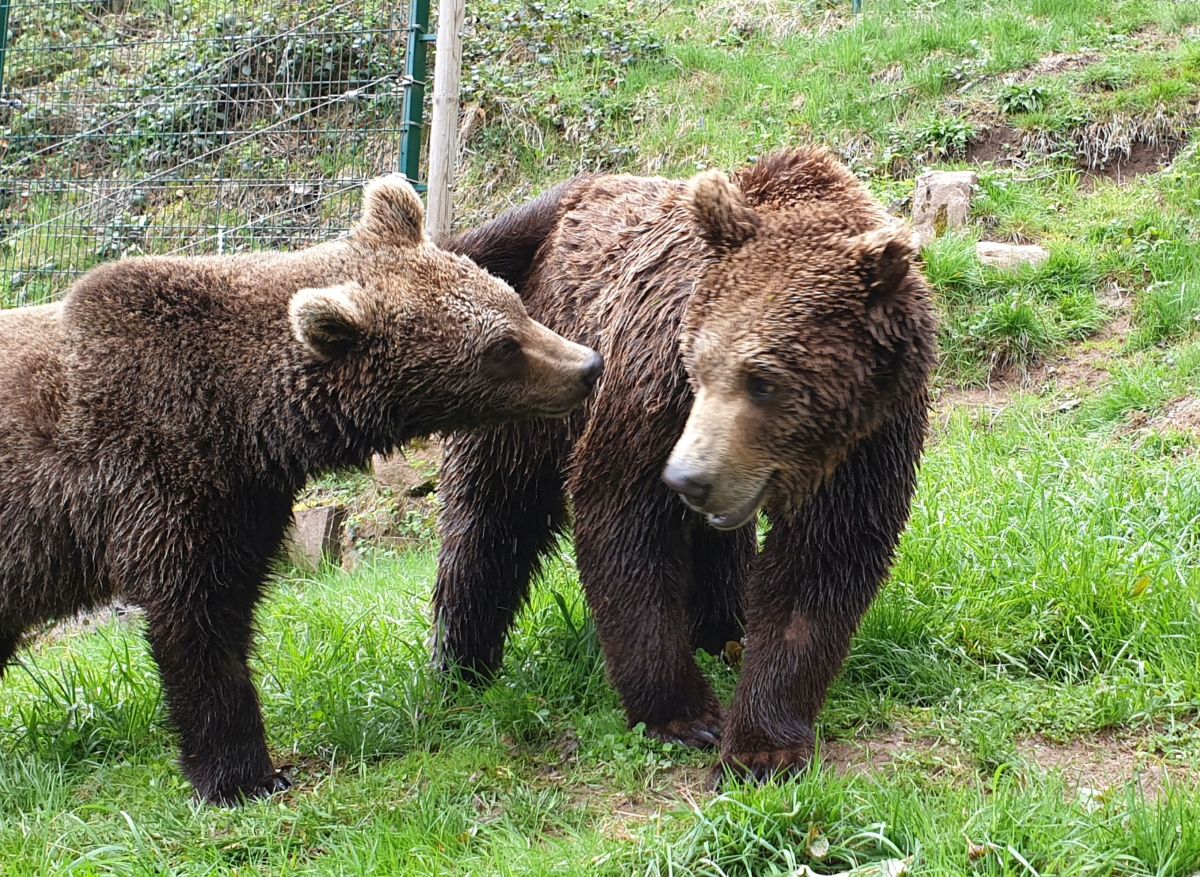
(156, 426)
(768, 343)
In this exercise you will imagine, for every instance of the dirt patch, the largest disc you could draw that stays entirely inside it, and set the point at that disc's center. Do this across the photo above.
(690, 786)
(1099, 763)
(1117, 150)
(1077, 371)
(990, 401)
(1091, 766)
(1084, 367)
(1182, 415)
(1152, 37)
(998, 144)
(881, 752)
(1054, 65)
(1086, 370)
(1179, 421)
(1134, 160)
(1180, 418)
(1121, 147)
(671, 789)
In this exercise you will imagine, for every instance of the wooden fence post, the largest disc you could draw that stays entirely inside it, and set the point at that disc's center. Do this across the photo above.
(447, 73)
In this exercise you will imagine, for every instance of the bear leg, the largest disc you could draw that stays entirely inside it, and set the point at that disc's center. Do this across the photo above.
(720, 565)
(502, 508)
(819, 571)
(8, 647)
(202, 654)
(630, 547)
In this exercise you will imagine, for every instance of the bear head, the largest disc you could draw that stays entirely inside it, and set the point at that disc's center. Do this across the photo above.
(423, 340)
(808, 326)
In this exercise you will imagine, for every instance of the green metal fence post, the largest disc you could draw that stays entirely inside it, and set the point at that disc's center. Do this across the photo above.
(3, 40)
(856, 6)
(414, 91)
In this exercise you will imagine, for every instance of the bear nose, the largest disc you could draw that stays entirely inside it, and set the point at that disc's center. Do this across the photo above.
(691, 487)
(593, 370)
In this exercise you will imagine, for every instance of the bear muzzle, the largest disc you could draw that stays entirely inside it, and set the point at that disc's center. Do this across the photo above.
(712, 467)
(562, 373)
(697, 491)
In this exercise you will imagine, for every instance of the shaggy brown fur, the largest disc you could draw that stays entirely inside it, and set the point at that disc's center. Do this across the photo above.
(788, 303)
(156, 426)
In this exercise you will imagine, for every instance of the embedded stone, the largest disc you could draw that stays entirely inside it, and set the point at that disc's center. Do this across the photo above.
(1010, 255)
(942, 201)
(316, 536)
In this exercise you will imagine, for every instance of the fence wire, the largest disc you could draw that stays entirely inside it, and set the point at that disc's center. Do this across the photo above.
(189, 126)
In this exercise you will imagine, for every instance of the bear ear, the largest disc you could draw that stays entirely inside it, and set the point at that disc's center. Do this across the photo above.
(720, 210)
(326, 321)
(884, 256)
(392, 211)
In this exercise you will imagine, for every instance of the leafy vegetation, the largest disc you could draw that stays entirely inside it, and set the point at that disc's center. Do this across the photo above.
(1023, 99)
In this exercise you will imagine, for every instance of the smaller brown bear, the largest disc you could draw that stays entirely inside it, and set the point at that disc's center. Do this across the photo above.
(156, 426)
(768, 341)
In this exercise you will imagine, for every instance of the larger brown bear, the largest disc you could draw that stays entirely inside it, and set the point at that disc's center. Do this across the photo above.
(782, 310)
(156, 427)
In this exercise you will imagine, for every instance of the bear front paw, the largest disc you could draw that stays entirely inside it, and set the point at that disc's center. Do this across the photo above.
(699, 732)
(275, 783)
(761, 765)
(232, 794)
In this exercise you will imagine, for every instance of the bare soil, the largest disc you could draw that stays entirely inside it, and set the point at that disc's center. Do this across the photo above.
(879, 752)
(998, 144)
(1181, 417)
(1054, 65)
(1092, 767)
(1143, 158)
(1100, 763)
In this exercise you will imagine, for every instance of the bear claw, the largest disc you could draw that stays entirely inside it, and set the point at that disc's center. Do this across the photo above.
(274, 783)
(699, 732)
(761, 766)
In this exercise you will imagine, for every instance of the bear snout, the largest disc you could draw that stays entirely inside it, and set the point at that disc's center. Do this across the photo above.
(693, 487)
(592, 370)
(562, 373)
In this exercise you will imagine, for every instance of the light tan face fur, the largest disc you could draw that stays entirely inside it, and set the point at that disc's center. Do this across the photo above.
(553, 367)
(719, 446)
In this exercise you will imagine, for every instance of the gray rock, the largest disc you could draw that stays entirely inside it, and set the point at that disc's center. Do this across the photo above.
(411, 472)
(1010, 255)
(316, 536)
(942, 201)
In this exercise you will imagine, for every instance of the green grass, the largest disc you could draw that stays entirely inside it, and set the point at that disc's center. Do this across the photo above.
(994, 319)
(1045, 598)
(1048, 586)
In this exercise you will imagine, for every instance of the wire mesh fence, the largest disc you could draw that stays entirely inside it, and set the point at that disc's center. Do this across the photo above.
(136, 127)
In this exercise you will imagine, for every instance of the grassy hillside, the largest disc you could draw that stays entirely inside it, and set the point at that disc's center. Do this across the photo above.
(1022, 699)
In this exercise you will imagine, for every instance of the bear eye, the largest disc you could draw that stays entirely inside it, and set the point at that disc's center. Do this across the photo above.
(504, 350)
(761, 389)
